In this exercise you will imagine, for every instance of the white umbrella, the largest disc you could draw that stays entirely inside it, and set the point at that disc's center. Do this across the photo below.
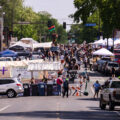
(103, 52)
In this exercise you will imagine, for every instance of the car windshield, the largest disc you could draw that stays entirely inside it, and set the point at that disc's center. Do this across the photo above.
(5, 59)
(113, 65)
(115, 84)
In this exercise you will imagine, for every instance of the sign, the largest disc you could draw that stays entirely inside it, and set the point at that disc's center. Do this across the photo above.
(3, 70)
(23, 22)
(90, 24)
(25, 74)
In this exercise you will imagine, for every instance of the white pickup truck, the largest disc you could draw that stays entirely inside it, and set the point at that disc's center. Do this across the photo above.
(110, 94)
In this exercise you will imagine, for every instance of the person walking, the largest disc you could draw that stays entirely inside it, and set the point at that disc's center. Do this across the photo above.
(59, 83)
(19, 77)
(66, 88)
(113, 72)
(97, 87)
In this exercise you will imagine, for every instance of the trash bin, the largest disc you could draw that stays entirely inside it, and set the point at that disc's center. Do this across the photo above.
(41, 89)
(55, 90)
(49, 89)
(26, 89)
(34, 88)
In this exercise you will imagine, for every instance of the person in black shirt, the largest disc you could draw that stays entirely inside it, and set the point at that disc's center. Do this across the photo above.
(65, 87)
(113, 72)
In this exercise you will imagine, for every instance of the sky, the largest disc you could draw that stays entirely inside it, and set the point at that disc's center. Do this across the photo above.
(59, 9)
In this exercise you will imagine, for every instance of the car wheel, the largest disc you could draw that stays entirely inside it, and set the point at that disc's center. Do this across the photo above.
(111, 104)
(11, 93)
(102, 105)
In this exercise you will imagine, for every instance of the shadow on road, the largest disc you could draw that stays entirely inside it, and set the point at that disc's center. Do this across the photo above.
(96, 74)
(89, 99)
(70, 115)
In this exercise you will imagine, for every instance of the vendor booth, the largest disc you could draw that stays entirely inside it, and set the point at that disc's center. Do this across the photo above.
(13, 68)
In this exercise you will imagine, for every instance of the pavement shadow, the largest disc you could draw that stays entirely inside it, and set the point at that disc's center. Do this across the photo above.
(96, 74)
(69, 115)
(89, 99)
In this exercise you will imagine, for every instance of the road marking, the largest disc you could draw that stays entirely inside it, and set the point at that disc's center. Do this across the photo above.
(92, 90)
(118, 113)
(2, 109)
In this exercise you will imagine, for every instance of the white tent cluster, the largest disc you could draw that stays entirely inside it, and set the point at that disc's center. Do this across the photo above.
(103, 42)
(30, 43)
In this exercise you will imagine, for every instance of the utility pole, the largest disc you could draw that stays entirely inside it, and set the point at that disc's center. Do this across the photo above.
(99, 22)
(1, 28)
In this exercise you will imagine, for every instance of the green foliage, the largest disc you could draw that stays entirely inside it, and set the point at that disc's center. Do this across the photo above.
(82, 33)
(15, 12)
(108, 10)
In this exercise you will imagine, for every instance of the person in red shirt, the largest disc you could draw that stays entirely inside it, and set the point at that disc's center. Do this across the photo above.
(59, 83)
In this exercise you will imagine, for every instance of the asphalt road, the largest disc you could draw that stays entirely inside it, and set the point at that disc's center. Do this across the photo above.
(56, 107)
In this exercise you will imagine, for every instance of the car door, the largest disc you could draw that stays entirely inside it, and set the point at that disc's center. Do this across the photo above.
(106, 93)
(3, 86)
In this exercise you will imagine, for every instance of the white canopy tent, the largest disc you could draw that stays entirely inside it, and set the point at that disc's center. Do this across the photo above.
(28, 40)
(117, 42)
(99, 42)
(44, 66)
(19, 43)
(103, 52)
(110, 42)
(44, 45)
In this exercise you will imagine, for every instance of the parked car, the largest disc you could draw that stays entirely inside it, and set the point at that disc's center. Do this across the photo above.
(55, 49)
(110, 94)
(109, 65)
(36, 57)
(40, 48)
(10, 87)
(6, 59)
(100, 64)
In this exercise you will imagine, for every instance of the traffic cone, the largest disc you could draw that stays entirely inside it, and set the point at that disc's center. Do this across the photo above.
(77, 94)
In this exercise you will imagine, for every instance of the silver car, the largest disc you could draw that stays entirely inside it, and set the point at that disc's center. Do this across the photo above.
(10, 87)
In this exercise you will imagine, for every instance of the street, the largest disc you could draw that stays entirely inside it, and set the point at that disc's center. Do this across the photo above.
(53, 108)
(56, 107)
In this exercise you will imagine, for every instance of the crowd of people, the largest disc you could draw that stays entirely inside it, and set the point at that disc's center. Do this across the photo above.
(73, 58)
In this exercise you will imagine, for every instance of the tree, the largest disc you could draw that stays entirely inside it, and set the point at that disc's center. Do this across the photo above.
(17, 12)
(108, 13)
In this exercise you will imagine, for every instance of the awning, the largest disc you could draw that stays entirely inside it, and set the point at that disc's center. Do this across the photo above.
(43, 45)
(54, 66)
